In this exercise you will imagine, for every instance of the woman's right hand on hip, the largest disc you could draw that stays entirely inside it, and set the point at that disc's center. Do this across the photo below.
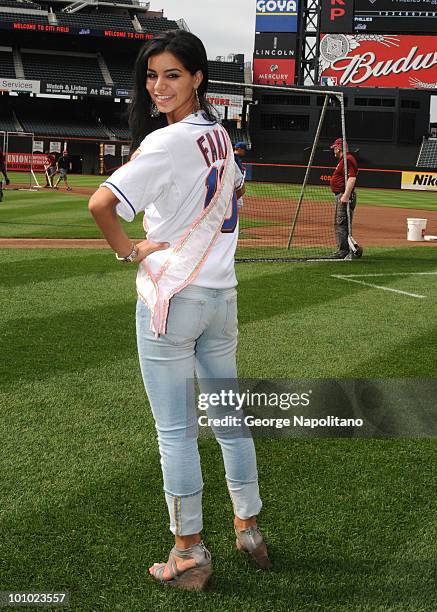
(146, 247)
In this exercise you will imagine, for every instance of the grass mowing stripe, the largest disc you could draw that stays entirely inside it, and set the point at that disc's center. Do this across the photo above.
(53, 215)
(18, 208)
(392, 198)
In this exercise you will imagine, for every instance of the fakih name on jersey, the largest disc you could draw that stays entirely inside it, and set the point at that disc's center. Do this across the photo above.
(277, 7)
(213, 146)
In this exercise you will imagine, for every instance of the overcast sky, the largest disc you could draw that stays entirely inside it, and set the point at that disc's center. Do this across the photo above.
(225, 26)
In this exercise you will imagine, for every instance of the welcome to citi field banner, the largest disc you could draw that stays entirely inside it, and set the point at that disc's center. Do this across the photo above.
(276, 15)
(378, 61)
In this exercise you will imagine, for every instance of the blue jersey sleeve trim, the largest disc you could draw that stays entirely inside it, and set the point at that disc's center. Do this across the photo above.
(123, 196)
(191, 123)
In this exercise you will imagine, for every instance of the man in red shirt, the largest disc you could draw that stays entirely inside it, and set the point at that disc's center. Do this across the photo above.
(50, 168)
(343, 194)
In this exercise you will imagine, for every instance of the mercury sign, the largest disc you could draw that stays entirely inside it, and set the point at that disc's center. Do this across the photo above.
(276, 15)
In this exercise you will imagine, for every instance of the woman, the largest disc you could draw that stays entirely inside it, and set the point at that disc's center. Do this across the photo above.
(184, 178)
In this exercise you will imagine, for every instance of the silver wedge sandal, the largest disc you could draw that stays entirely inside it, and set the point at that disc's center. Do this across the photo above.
(192, 579)
(251, 542)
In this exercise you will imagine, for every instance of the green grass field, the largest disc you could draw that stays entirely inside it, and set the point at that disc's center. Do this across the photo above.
(351, 523)
(56, 214)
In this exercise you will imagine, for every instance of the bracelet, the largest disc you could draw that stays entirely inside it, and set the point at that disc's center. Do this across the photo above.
(129, 258)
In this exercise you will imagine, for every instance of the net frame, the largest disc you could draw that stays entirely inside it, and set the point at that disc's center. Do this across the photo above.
(31, 173)
(2, 147)
(328, 95)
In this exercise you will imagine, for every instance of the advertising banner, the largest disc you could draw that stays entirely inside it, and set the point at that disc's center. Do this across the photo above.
(38, 146)
(123, 93)
(229, 100)
(378, 61)
(275, 45)
(24, 161)
(109, 149)
(20, 85)
(337, 16)
(394, 16)
(24, 26)
(419, 181)
(276, 15)
(75, 89)
(273, 72)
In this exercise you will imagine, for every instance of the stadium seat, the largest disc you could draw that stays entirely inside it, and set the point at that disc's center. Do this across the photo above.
(156, 24)
(30, 19)
(21, 4)
(225, 71)
(7, 69)
(121, 69)
(63, 68)
(62, 118)
(96, 21)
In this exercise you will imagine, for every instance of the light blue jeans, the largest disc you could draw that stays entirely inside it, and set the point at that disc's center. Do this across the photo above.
(201, 340)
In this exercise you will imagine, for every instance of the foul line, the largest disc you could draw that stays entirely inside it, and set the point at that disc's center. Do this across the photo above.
(354, 280)
(387, 274)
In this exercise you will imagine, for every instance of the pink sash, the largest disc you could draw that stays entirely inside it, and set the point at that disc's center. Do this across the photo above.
(189, 254)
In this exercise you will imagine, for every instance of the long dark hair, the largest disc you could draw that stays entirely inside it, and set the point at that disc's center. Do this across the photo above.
(190, 51)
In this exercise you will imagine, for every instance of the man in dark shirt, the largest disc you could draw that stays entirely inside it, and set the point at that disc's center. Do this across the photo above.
(3, 167)
(344, 193)
(63, 166)
(240, 150)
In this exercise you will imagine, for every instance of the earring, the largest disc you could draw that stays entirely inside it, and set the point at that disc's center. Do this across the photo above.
(154, 112)
(196, 95)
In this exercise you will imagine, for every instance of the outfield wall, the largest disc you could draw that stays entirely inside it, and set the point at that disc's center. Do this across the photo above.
(423, 180)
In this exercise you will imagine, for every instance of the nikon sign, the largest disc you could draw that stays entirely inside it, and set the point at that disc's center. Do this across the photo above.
(419, 181)
(276, 15)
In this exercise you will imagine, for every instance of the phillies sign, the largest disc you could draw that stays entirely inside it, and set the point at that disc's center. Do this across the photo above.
(276, 15)
(378, 61)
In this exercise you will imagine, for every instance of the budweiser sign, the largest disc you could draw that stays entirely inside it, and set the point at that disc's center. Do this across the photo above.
(379, 61)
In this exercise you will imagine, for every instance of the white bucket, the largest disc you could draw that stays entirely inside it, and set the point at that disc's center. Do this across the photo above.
(416, 229)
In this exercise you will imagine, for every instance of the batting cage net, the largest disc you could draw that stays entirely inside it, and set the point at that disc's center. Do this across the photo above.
(283, 215)
(19, 159)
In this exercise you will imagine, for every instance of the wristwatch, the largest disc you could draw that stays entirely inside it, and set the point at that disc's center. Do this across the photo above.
(129, 258)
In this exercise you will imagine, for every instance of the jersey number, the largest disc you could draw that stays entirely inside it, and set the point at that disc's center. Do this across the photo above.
(212, 181)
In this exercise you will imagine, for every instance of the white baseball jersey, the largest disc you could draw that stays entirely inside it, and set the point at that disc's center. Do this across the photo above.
(172, 180)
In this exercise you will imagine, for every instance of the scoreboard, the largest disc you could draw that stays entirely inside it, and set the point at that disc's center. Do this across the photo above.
(379, 16)
(395, 16)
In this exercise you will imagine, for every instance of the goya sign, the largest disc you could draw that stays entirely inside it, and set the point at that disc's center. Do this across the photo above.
(276, 15)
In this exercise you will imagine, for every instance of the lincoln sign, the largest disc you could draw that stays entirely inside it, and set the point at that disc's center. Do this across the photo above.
(379, 61)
